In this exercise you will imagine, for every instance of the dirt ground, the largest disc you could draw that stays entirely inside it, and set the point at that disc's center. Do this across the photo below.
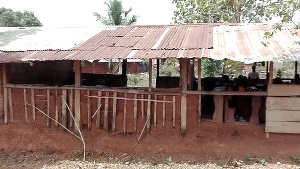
(213, 145)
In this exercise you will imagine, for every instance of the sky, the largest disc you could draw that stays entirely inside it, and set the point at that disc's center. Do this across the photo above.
(78, 13)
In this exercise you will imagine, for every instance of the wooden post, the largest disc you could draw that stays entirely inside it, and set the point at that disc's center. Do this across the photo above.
(271, 73)
(142, 106)
(296, 67)
(48, 106)
(77, 68)
(164, 110)
(157, 68)
(106, 112)
(124, 71)
(270, 82)
(11, 113)
(124, 115)
(114, 111)
(183, 78)
(71, 107)
(135, 111)
(56, 108)
(149, 96)
(25, 106)
(5, 94)
(89, 110)
(64, 109)
(33, 103)
(199, 89)
(174, 111)
(98, 116)
(155, 109)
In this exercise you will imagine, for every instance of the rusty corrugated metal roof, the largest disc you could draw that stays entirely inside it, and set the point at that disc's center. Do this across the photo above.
(235, 42)
(245, 43)
(45, 38)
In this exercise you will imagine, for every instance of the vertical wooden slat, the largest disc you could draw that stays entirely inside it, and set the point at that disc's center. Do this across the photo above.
(56, 108)
(33, 103)
(155, 110)
(115, 94)
(11, 113)
(77, 68)
(135, 111)
(183, 78)
(174, 111)
(64, 109)
(271, 71)
(98, 116)
(25, 105)
(164, 110)
(199, 89)
(48, 106)
(149, 96)
(125, 112)
(106, 112)
(71, 107)
(142, 106)
(148, 112)
(5, 95)
(89, 110)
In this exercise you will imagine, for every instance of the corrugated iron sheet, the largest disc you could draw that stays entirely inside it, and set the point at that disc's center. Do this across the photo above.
(238, 43)
(245, 43)
(45, 38)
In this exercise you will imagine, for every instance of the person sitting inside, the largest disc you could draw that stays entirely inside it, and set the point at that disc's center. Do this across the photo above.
(253, 74)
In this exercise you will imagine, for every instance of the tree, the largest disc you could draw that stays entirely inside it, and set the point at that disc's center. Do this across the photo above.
(236, 11)
(9, 18)
(116, 15)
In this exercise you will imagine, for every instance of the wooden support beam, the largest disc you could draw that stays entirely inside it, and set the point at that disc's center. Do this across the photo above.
(135, 111)
(124, 71)
(157, 68)
(11, 113)
(142, 106)
(71, 107)
(89, 114)
(33, 103)
(199, 89)
(164, 110)
(106, 112)
(149, 96)
(25, 105)
(98, 116)
(148, 113)
(77, 68)
(48, 106)
(115, 95)
(64, 109)
(183, 78)
(56, 107)
(271, 71)
(125, 114)
(174, 111)
(296, 67)
(5, 102)
(155, 110)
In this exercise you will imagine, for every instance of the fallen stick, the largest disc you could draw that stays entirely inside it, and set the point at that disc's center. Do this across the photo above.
(140, 134)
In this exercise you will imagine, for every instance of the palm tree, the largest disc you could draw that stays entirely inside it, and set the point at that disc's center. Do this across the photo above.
(115, 14)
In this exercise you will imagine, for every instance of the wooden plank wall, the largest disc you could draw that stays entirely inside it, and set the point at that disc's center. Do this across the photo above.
(99, 109)
(283, 109)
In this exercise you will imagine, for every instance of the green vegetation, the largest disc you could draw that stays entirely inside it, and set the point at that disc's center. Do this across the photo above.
(9, 18)
(116, 15)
